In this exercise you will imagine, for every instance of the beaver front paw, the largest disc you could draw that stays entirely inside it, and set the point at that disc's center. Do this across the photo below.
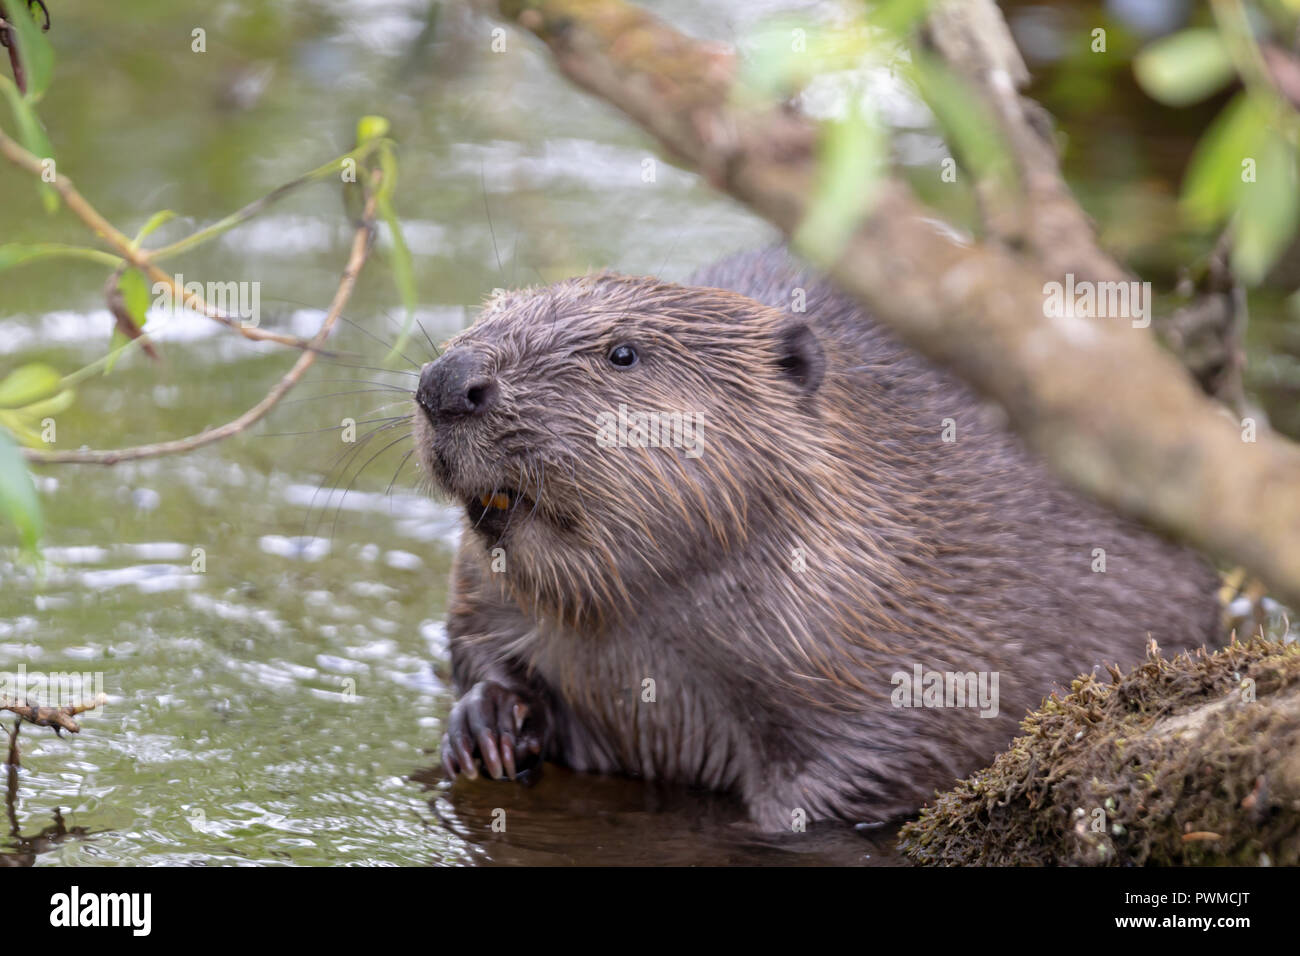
(497, 725)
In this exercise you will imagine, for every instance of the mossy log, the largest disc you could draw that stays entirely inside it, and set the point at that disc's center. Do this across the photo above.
(1190, 760)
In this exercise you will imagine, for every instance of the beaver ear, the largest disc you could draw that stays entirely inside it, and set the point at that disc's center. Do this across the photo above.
(800, 355)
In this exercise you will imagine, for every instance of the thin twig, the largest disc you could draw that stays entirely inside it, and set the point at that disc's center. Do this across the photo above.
(360, 250)
(60, 718)
(140, 258)
(261, 204)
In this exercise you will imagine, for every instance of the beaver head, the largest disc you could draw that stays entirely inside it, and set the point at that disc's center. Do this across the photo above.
(611, 434)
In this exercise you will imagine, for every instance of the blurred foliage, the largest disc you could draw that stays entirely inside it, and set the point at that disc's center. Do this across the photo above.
(18, 501)
(31, 394)
(1177, 123)
(1161, 181)
(1243, 168)
(785, 57)
(27, 36)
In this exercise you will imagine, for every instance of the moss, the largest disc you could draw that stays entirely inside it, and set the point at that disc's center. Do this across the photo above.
(1190, 760)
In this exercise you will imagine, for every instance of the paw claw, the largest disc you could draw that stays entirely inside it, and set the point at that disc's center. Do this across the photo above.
(487, 725)
(468, 766)
(487, 748)
(508, 754)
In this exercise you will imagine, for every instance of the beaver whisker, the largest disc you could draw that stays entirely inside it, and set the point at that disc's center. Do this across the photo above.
(361, 328)
(339, 467)
(376, 368)
(336, 466)
(361, 442)
(387, 345)
(339, 511)
(519, 490)
(392, 386)
(437, 352)
(402, 403)
(487, 211)
(483, 513)
(355, 391)
(400, 465)
(334, 428)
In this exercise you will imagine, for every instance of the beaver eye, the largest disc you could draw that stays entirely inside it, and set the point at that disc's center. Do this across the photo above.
(622, 356)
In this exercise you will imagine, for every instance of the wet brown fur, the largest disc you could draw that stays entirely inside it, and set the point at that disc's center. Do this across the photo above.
(773, 682)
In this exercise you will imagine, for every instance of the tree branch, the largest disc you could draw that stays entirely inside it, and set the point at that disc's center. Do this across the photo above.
(975, 41)
(142, 259)
(360, 250)
(1107, 408)
(60, 718)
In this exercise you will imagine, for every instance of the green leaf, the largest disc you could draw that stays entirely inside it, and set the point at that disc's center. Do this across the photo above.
(967, 123)
(19, 503)
(53, 405)
(135, 298)
(17, 253)
(774, 66)
(135, 295)
(23, 422)
(853, 153)
(119, 341)
(784, 54)
(27, 384)
(156, 220)
(898, 16)
(387, 166)
(1268, 211)
(371, 127)
(1184, 68)
(327, 170)
(1214, 173)
(18, 427)
(34, 50)
(32, 135)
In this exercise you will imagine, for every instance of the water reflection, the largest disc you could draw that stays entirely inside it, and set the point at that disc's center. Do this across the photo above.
(565, 818)
(23, 850)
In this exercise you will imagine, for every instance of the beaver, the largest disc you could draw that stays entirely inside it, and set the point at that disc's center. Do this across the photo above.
(788, 606)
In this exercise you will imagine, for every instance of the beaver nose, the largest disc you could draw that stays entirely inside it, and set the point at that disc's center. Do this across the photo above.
(456, 385)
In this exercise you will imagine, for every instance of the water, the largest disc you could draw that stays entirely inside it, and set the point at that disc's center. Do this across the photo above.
(284, 705)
